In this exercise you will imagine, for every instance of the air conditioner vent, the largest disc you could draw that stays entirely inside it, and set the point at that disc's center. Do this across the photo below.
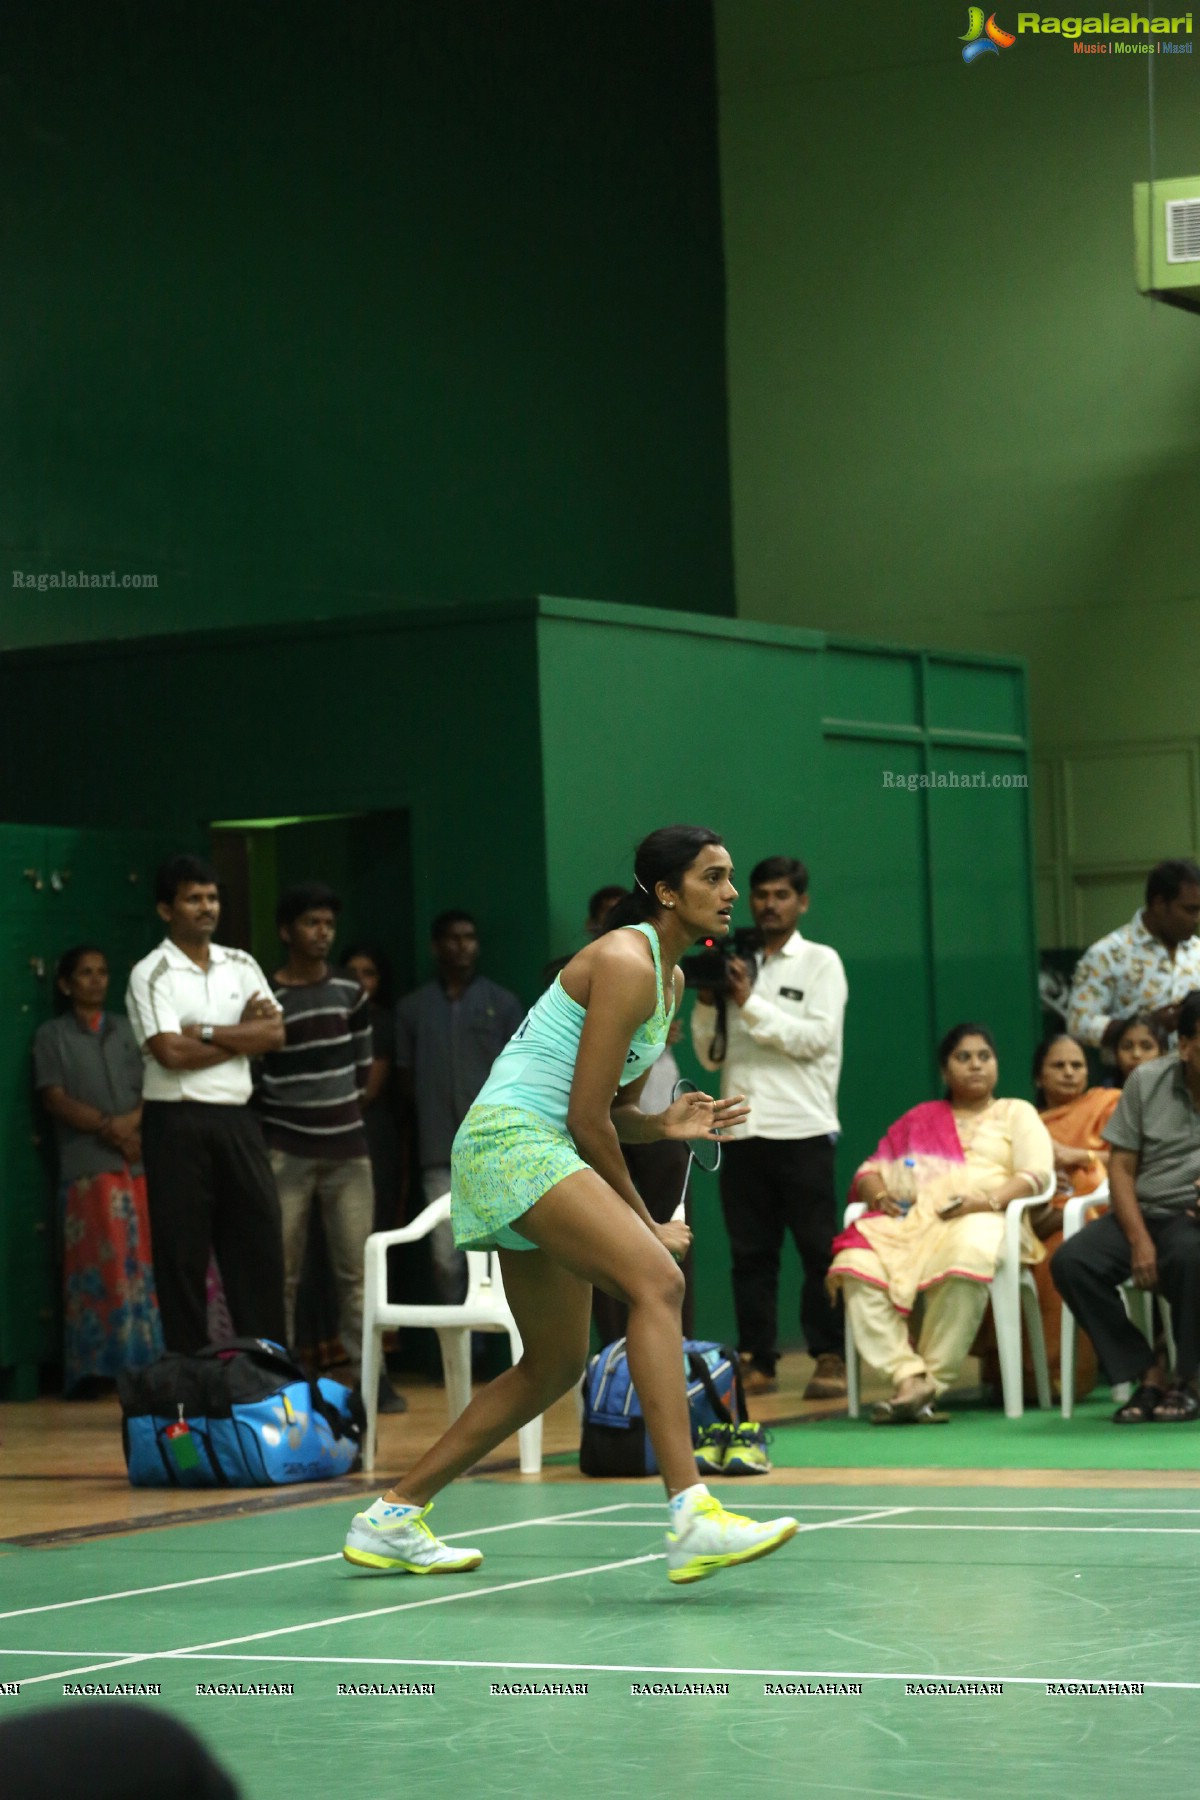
(1183, 231)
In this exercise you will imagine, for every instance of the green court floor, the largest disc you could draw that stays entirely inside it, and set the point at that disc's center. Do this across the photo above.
(982, 1438)
(884, 1588)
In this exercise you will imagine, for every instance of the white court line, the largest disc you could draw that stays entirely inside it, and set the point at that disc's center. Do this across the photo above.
(1149, 1512)
(886, 1512)
(255, 1637)
(303, 1562)
(1072, 1530)
(653, 1669)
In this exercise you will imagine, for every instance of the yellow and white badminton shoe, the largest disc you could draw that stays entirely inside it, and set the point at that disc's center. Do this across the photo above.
(704, 1537)
(396, 1540)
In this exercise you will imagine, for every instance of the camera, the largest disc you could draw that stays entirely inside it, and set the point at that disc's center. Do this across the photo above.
(705, 968)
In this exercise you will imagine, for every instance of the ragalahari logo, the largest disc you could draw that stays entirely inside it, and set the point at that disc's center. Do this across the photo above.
(983, 38)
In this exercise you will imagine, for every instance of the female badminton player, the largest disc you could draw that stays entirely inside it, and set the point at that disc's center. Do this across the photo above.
(537, 1174)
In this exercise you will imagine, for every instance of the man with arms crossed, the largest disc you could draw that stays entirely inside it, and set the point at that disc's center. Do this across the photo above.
(199, 1012)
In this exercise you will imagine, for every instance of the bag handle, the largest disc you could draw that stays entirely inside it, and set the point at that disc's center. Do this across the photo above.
(703, 1374)
(272, 1356)
(261, 1350)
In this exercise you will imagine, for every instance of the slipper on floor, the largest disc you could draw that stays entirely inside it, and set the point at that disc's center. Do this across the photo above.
(1140, 1407)
(928, 1416)
(899, 1412)
(1177, 1407)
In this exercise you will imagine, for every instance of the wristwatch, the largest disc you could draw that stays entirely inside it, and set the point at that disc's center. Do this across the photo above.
(206, 1034)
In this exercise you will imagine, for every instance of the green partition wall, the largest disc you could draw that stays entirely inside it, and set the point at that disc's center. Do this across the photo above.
(804, 744)
(528, 746)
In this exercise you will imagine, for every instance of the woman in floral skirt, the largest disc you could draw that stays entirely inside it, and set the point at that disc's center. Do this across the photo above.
(88, 1072)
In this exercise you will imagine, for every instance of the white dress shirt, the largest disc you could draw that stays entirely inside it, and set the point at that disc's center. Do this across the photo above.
(167, 991)
(784, 1047)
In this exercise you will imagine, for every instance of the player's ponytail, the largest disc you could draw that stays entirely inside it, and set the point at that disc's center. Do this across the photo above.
(663, 856)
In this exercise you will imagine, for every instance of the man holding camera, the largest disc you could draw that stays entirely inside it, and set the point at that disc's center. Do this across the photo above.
(775, 1032)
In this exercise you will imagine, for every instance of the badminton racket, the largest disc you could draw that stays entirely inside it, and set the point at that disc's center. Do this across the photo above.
(704, 1152)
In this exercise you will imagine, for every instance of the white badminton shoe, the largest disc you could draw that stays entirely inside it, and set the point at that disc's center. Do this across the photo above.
(706, 1538)
(396, 1539)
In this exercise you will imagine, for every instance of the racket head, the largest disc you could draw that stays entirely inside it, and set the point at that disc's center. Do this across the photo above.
(704, 1152)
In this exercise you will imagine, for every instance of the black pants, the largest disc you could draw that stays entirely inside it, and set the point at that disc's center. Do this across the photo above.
(1088, 1269)
(658, 1172)
(769, 1186)
(209, 1187)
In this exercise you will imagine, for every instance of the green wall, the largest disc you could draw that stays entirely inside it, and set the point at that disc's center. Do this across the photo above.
(953, 420)
(366, 717)
(309, 310)
(782, 740)
(532, 749)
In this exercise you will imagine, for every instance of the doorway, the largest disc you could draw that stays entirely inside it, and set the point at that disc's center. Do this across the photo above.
(364, 857)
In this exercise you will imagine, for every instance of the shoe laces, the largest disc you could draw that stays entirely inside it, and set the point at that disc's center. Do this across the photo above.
(749, 1432)
(419, 1523)
(712, 1436)
(710, 1508)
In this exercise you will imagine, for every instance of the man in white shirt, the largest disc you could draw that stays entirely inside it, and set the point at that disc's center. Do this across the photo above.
(200, 1011)
(782, 1048)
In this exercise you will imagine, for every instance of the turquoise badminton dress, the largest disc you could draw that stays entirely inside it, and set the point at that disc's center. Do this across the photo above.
(513, 1145)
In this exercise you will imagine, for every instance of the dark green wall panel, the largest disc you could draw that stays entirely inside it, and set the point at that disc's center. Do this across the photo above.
(438, 719)
(311, 310)
(979, 839)
(965, 697)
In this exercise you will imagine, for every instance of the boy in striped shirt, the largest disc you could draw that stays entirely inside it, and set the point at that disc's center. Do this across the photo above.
(310, 1104)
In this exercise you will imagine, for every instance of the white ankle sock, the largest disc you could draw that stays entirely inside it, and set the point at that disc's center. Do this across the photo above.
(680, 1504)
(388, 1512)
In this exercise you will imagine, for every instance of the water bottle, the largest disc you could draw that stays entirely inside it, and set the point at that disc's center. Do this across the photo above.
(906, 1184)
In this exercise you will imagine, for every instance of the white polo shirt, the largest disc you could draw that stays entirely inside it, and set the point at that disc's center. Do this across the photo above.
(784, 1047)
(167, 991)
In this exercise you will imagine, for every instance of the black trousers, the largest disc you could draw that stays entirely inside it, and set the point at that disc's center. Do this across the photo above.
(658, 1172)
(209, 1187)
(769, 1186)
(1088, 1269)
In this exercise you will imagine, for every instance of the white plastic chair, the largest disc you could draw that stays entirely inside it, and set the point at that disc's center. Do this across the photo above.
(1139, 1302)
(1013, 1295)
(484, 1309)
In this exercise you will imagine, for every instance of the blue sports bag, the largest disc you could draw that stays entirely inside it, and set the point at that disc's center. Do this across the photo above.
(615, 1440)
(241, 1414)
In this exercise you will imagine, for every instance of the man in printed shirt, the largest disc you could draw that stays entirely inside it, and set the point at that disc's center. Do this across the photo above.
(310, 1103)
(783, 1050)
(1145, 966)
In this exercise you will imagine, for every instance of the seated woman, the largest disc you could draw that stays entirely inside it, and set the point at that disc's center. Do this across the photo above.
(937, 1187)
(1133, 1041)
(1075, 1115)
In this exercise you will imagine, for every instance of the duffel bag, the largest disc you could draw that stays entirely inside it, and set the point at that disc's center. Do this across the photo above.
(241, 1414)
(615, 1440)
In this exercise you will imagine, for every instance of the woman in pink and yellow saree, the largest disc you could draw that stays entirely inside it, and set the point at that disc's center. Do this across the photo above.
(936, 1189)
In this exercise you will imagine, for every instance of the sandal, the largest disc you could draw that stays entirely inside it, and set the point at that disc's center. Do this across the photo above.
(1140, 1408)
(1177, 1407)
(901, 1412)
(928, 1416)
